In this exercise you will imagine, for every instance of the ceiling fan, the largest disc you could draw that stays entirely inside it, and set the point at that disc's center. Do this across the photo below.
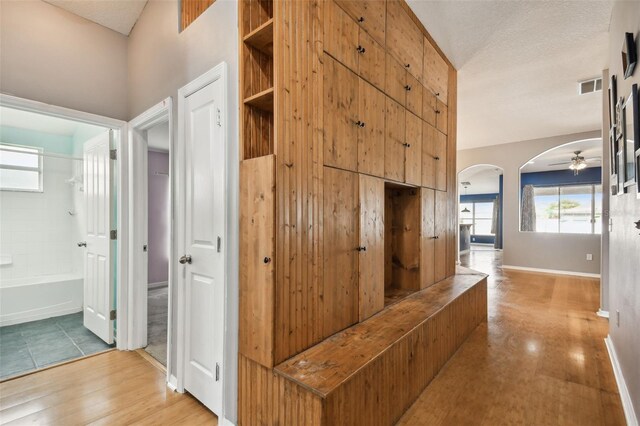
(577, 163)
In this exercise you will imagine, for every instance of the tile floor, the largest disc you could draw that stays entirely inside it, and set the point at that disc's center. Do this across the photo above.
(32, 345)
(157, 313)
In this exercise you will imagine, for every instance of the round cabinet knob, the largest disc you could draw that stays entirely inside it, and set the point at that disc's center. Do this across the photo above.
(361, 248)
(436, 158)
(407, 88)
(437, 111)
(266, 260)
(407, 145)
(360, 123)
(361, 19)
(361, 49)
(407, 66)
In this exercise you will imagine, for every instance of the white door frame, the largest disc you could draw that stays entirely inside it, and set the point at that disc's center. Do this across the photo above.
(219, 72)
(121, 140)
(138, 218)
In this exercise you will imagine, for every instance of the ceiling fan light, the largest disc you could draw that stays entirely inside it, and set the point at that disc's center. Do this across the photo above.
(581, 165)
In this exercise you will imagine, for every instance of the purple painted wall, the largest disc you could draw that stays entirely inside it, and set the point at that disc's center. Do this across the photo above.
(159, 217)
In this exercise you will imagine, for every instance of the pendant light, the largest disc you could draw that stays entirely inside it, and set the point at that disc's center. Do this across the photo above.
(465, 210)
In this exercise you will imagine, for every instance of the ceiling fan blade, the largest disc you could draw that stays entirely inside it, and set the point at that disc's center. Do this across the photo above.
(559, 164)
(594, 159)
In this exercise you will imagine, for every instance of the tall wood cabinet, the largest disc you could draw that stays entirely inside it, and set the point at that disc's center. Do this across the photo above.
(342, 101)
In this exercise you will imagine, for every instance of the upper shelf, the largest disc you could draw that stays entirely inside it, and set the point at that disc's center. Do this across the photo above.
(262, 38)
(262, 100)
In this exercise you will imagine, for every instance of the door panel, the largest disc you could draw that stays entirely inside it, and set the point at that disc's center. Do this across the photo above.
(404, 38)
(257, 250)
(369, 14)
(427, 249)
(340, 116)
(98, 278)
(436, 72)
(341, 255)
(429, 153)
(371, 61)
(413, 90)
(441, 161)
(413, 153)
(440, 226)
(204, 229)
(395, 80)
(394, 149)
(429, 106)
(442, 117)
(371, 260)
(371, 137)
(340, 35)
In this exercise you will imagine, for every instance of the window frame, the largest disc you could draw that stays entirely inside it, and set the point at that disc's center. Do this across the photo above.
(473, 216)
(40, 168)
(558, 194)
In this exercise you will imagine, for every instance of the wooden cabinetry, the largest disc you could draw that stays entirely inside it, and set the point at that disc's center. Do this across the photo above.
(428, 240)
(371, 110)
(441, 236)
(404, 39)
(369, 14)
(402, 86)
(413, 150)
(436, 73)
(434, 158)
(394, 149)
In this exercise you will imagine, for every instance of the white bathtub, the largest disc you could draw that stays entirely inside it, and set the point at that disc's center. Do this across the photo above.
(30, 299)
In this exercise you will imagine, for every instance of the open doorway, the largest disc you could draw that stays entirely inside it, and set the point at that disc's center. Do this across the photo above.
(480, 212)
(159, 233)
(57, 203)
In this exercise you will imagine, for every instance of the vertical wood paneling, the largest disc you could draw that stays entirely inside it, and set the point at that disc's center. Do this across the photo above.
(452, 189)
(442, 231)
(299, 172)
(191, 9)
(427, 252)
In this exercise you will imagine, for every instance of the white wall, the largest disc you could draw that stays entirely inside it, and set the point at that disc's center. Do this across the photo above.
(50, 55)
(565, 252)
(624, 238)
(160, 61)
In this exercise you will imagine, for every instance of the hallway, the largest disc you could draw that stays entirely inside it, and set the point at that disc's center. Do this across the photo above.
(540, 360)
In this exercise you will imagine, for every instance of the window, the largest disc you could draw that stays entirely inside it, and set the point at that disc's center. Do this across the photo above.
(571, 209)
(479, 215)
(20, 168)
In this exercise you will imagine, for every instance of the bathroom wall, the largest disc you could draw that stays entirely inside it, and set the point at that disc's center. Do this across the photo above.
(36, 227)
(159, 216)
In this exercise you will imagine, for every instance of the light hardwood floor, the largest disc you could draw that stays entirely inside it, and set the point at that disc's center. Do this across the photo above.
(114, 388)
(540, 359)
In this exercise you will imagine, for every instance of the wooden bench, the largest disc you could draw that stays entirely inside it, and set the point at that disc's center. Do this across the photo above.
(372, 372)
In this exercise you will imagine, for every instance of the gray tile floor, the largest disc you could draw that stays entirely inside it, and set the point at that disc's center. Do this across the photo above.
(32, 345)
(157, 313)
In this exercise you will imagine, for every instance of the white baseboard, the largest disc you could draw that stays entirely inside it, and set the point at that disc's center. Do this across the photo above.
(226, 422)
(551, 271)
(627, 404)
(172, 383)
(603, 314)
(36, 315)
(465, 251)
(158, 284)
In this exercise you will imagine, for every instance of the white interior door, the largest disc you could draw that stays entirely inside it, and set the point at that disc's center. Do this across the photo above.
(203, 260)
(98, 273)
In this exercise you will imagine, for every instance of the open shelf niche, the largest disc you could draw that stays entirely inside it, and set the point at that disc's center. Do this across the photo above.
(402, 231)
(257, 82)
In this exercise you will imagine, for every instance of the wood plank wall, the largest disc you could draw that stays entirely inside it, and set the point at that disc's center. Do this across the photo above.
(191, 9)
(298, 30)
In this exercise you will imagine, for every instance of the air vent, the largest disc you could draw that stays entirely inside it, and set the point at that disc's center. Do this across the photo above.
(590, 86)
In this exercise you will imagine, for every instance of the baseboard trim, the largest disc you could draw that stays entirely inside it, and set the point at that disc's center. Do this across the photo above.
(603, 314)
(627, 404)
(158, 284)
(226, 422)
(172, 383)
(551, 271)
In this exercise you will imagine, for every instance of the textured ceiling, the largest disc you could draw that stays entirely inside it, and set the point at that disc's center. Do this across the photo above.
(41, 123)
(518, 64)
(591, 150)
(118, 15)
(484, 179)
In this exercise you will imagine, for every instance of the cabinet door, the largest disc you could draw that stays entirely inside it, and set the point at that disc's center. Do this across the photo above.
(340, 116)
(371, 137)
(436, 72)
(440, 226)
(404, 38)
(413, 90)
(429, 106)
(369, 14)
(442, 117)
(441, 161)
(428, 242)
(257, 243)
(429, 154)
(371, 60)
(413, 149)
(340, 35)
(394, 141)
(340, 240)
(395, 80)
(371, 253)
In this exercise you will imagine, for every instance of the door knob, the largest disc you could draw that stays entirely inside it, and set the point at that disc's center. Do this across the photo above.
(82, 244)
(185, 259)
